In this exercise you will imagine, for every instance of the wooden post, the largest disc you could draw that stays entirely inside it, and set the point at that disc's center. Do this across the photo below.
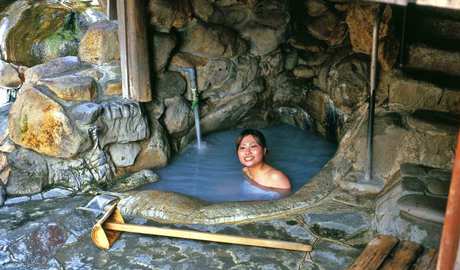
(450, 238)
(134, 58)
(111, 9)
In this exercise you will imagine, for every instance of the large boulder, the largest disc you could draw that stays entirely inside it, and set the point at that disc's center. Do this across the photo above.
(29, 172)
(9, 76)
(168, 85)
(165, 14)
(360, 21)
(155, 151)
(178, 116)
(52, 68)
(316, 8)
(122, 121)
(100, 43)
(163, 45)
(37, 122)
(329, 28)
(212, 41)
(347, 83)
(203, 9)
(71, 87)
(262, 39)
(38, 32)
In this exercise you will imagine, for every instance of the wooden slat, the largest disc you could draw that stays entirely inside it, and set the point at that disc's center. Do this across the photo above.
(138, 58)
(213, 237)
(375, 253)
(427, 261)
(134, 57)
(402, 258)
(449, 247)
(123, 49)
(452, 4)
(111, 9)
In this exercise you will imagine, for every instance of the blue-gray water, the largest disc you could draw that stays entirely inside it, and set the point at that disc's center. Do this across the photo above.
(214, 174)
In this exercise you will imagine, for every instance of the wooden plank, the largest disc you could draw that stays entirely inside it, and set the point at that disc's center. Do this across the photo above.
(448, 249)
(203, 236)
(134, 57)
(403, 256)
(375, 253)
(138, 59)
(452, 4)
(111, 9)
(123, 49)
(427, 261)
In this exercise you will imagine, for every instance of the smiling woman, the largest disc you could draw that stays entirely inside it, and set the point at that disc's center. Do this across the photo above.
(251, 149)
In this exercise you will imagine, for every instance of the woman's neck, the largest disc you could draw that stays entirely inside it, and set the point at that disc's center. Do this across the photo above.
(253, 170)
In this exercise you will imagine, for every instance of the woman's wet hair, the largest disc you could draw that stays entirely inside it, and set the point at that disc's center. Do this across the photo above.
(258, 136)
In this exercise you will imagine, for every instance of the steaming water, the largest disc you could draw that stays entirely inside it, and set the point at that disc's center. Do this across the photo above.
(214, 174)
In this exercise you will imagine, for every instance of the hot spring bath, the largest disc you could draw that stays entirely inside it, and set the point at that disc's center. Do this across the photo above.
(213, 173)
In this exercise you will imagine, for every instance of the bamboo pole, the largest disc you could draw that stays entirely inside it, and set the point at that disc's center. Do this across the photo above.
(451, 231)
(134, 58)
(107, 230)
(213, 237)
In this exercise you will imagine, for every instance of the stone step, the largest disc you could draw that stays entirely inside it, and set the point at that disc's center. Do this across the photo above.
(433, 122)
(440, 79)
(423, 57)
(422, 207)
(414, 94)
(435, 31)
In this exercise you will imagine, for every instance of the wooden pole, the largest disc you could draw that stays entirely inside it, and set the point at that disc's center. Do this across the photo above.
(107, 230)
(214, 237)
(111, 9)
(451, 231)
(134, 58)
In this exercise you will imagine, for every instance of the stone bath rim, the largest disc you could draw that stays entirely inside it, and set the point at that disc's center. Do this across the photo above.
(170, 207)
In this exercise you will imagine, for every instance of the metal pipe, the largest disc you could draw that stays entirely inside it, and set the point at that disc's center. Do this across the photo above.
(370, 125)
(451, 229)
(191, 78)
(402, 47)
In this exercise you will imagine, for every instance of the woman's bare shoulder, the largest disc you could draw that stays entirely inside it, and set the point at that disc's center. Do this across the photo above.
(279, 180)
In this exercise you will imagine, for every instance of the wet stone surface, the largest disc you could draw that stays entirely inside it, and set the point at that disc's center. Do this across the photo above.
(414, 208)
(38, 235)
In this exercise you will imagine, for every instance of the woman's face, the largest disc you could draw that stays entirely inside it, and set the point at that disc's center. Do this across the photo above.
(250, 153)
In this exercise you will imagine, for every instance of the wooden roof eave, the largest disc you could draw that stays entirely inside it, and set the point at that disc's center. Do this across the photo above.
(450, 4)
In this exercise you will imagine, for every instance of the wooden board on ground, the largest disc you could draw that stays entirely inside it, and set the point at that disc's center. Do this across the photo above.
(388, 253)
(375, 253)
(404, 255)
(427, 261)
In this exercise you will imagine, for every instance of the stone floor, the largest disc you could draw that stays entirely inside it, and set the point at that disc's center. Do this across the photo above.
(53, 234)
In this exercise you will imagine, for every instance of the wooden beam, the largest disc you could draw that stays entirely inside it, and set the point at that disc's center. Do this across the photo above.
(427, 261)
(111, 9)
(134, 58)
(451, 230)
(375, 253)
(403, 257)
(452, 4)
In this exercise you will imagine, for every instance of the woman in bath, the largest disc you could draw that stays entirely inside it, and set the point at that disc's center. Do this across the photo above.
(251, 150)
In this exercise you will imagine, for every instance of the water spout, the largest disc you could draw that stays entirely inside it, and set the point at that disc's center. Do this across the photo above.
(191, 78)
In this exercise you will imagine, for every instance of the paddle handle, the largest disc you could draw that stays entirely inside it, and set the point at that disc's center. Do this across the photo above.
(213, 237)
